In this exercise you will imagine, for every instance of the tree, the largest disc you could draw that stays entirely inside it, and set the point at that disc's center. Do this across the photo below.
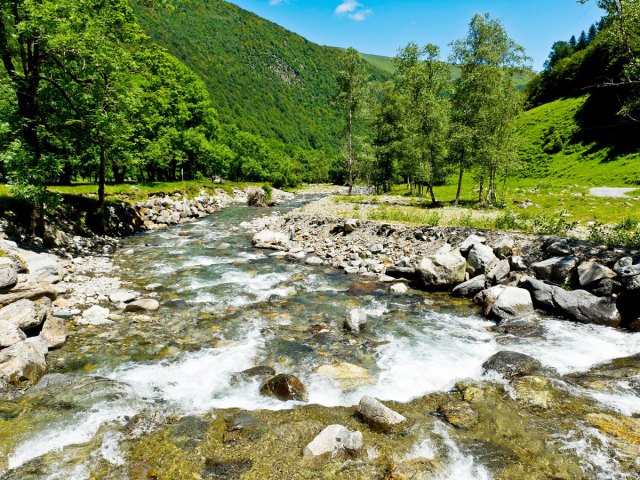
(351, 84)
(592, 34)
(485, 100)
(582, 41)
(388, 135)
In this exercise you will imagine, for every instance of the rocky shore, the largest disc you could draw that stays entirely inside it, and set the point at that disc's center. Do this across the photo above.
(47, 293)
(509, 275)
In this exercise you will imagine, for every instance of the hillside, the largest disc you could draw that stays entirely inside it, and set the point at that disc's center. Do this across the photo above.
(262, 77)
(563, 143)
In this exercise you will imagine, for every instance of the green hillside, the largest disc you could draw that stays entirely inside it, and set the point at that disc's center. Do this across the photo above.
(558, 145)
(262, 77)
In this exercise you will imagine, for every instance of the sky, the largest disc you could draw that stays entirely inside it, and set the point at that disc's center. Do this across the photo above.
(382, 26)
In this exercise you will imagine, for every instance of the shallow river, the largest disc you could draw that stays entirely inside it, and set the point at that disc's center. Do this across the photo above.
(228, 307)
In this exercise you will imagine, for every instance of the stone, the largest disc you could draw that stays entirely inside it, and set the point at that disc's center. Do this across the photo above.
(347, 374)
(469, 242)
(504, 246)
(332, 442)
(534, 391)
(8, 277)
(622, 263)
(415, 469)
(285, 387)
(252, 373)
(398, 289)
(122, 296)
(356, 320)
(269, 239)
(314, 261)
(442, 270)
(606, 287)
(499, 272)
(22, 314)
(376, 248)
(154, 287)
(28, 290)
(629, 271)
(10, 334)
(459, 413)
(43, 266)
(377, 415)
(505, 303)
(470, 288)
(585, 307)
(623, 428)
(54, 332)
(481, 259)
(591, 272)
(556, 269)
(24, 362)
(95, 315)
(517, 263)
(143, 305)
(511, 365)
(558, 248)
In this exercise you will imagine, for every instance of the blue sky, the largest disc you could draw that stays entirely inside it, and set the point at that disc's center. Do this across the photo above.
(382, 26)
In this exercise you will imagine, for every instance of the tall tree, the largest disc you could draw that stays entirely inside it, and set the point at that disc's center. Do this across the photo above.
(388, 134)
(351, 86)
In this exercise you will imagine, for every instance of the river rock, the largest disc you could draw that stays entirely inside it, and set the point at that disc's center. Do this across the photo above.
(556, 269)
(333, 441)
(154, 287)
(517, 263)
(43, 266)
(347, 374)
(623, 428)
(398, 289)
(442, 270)
(504, 303)
(591, 272)
(629, 271)
(143, 305)
(269, 239)
(28, 290)
(504, 246)
(606, 287)
(22, 313)
(95, 315)
(622, 263)
(480, 260)
(557, 247)
(252, 373)
(459, 413)
(534, 391)
(285, 387)
(24, 361)
(122, 296)
(511, 364)
(356, 320)
(470, 288)
(10, 334)
(470, 242)
(377, 415)
(585, 307)
(8, 276)
(314, 261)
(54, 332)
(499, 272)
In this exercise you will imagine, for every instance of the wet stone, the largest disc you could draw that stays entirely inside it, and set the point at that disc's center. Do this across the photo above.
(250, 374)
(460, 414)
(285, 387)
(215, 468)
(511, 364)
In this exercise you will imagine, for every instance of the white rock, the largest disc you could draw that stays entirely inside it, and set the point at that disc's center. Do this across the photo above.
(442, 270)
(591, 272)
(95, 315)
(22, 313)
(10, 334)
(378, 415)
(122, 296)
(398, 289)
(54, 332)
(505, 303)
(24, 361)
(143, 305)
(314, 261)
(271, 240)
(356, 319)
(470, 242)
(481, 260)
(333, 441)
(43, 266)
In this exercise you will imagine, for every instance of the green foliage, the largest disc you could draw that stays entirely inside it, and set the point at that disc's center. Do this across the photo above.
(618, 235)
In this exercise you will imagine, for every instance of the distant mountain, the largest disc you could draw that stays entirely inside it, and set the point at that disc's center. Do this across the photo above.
(262, 77)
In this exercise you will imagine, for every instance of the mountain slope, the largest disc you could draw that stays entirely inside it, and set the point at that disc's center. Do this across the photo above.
(262, 78)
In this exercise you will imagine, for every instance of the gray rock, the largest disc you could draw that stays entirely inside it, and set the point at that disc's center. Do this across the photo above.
(314, 261)
(504, 246)
(54, 332)
(376, 248)
(22, 314)
(95, 315)
(499, 272)
(269, 239)
(505, 303)
(43, 266)
(511, 364)
(469, 242)
(606, 287)
(471, 287)
(10, 334)
(143, 305)
(153, 287)
(517, 263)
(24, 361)
(122, 296)
(481, 259)
(8, 276)
(28, 290)
(591, 272)
(622, 263)
(398, 289)
(356, 320)
(377, 415)
(458, 413)
(556, 269)
(559, 248)
(332, 442)
(442, 270)
(629, 271)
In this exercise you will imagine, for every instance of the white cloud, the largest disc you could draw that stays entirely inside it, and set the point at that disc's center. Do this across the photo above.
(354, 10)
(277, 2)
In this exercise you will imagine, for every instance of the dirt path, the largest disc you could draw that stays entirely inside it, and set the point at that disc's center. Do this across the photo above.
(609, 192)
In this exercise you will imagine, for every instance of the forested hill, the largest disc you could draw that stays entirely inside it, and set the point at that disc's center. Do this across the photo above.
(261, 77)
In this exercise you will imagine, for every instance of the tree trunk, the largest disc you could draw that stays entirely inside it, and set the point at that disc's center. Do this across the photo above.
(350, 150)
(101, 176)
(432, 177)
(457, 201)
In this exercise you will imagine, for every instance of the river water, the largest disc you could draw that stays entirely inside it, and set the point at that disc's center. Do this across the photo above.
(228, 307)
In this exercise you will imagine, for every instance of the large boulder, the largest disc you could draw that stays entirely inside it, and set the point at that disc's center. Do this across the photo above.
(356, 320)
(511, 364)
(54, 332)
(592, 272)
(471, 287)
(504, 303)
(271, 240)
(504, 246)
(332, 442)
(30, 291)
(43, 266)
(499, 272)
(481, 259)
(10, 334)
(24, 361)
(442, 270)
(22, 313)
(459, 413)
(8, 275)
(285, 387)
(377, 415)
(558, 270)
(470, 242)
